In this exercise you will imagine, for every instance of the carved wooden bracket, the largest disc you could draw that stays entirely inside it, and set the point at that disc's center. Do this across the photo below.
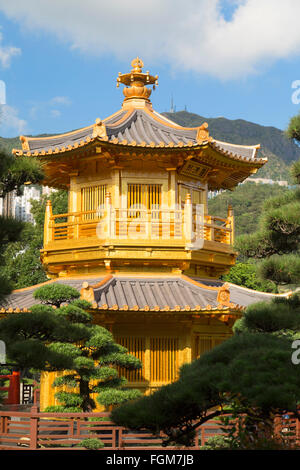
(87, 293)
(223, 297)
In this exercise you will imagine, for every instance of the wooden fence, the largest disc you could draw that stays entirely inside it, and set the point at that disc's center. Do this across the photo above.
(34, 430)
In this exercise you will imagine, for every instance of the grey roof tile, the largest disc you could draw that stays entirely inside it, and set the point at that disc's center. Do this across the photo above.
(161, 291)
(139, 126)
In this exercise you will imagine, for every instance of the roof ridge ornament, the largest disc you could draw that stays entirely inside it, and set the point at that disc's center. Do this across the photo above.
(24, 142)
(99, 129)
(223, 297)
(203, 133)
(136, 92)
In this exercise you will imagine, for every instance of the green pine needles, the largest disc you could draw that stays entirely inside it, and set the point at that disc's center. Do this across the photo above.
(276, 244)
(250, 376)
(59, 335)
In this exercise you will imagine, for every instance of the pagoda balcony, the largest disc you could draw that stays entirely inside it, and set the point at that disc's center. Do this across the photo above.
(161, 225)
(77, 237)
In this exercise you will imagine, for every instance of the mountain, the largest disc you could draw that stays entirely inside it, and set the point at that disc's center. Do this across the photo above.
(280, 151)
(10, 143)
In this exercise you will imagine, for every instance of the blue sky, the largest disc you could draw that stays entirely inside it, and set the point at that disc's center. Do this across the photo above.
(236, 59)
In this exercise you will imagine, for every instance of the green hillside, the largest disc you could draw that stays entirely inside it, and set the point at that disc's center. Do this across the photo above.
(8, 144)
(247, 201)
(280, 151)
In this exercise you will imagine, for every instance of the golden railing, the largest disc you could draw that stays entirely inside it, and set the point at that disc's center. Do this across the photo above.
(188, 225)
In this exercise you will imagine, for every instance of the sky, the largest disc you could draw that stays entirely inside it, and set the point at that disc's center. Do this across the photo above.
(59, 59)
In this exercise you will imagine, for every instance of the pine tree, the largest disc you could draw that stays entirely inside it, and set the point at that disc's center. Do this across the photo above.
(58, 335)
(250, 374)
(276, 243)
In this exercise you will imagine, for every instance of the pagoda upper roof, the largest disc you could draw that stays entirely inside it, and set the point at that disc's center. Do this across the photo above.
(136, 131)
(137, 127)
(136, 124)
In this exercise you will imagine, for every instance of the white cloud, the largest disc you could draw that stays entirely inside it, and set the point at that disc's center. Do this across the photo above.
(191, 35)
(43, 108)
(61, 100)
(55, 113)
(10, 123)
(7, 52)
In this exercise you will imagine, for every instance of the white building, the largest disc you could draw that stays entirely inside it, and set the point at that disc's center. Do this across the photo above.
(21, 205)
(267, 181)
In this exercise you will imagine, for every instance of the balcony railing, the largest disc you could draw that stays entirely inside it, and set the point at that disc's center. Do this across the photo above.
(188, 225)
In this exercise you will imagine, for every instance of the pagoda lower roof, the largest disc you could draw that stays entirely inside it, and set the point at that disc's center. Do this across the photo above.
(142, 293)
(140, 128)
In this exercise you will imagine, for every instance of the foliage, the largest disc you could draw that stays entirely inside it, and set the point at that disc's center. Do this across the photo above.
(21, 257)
(91, 444)
(248, 380)
(281, 316)
(58, 335)
(3, 394)
(293, 130)
(247, 200)
(14, 173)
(217, 443)
(245, 274)
(295, 171)
(56, 294)
(59, 201)
(253, 370)
(238, 436)
(277, 241)
(284, 269)
(254, 245)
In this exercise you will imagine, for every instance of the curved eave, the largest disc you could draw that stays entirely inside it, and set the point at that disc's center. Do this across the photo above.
(211, 311)
(151, 294)
(140, 128)
(124, 143)
(259, 161)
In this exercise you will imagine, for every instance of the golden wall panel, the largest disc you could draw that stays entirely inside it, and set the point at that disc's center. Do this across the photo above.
(163, 359)
(136, 347)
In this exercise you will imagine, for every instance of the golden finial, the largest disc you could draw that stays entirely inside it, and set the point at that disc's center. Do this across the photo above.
(137, 65)
(136, 82)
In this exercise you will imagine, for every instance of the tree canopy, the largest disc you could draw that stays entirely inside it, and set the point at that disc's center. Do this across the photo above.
(276, 243)
(252, 372)
(14, 173)
(58, 335)
(247, 201)
(245, 274)
(21, 257)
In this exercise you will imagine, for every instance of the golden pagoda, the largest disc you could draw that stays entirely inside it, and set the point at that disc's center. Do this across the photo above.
(137, 241)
